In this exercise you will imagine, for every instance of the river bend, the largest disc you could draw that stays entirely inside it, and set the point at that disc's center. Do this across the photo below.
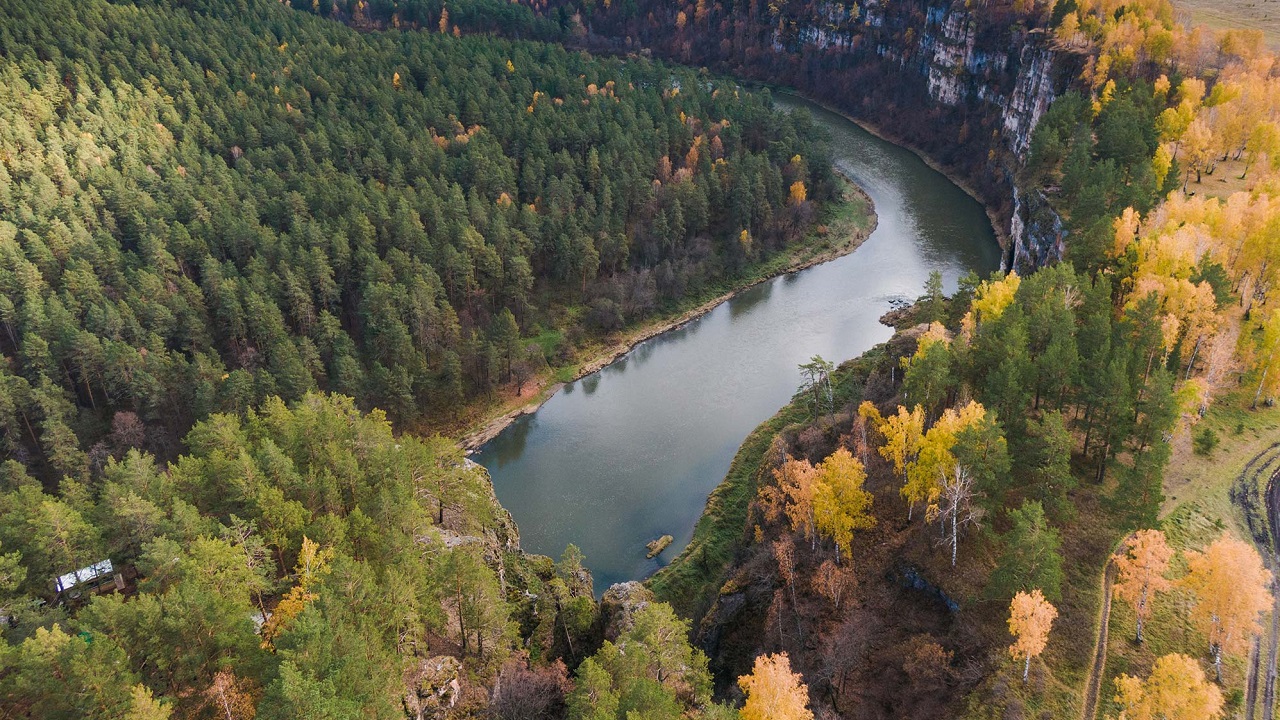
(631, 452)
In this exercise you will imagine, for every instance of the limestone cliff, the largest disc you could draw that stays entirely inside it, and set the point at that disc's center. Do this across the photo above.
(966, 86)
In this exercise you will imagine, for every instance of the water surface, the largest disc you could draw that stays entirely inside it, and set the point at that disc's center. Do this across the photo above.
(631, 452)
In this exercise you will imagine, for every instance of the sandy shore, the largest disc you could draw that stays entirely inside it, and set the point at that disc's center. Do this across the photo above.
(490, 428)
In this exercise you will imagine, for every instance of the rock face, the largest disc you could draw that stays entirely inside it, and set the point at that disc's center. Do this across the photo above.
(1036, 231)
(966, 86)
(619, 605)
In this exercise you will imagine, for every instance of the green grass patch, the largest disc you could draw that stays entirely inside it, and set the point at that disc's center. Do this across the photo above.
(549, 341)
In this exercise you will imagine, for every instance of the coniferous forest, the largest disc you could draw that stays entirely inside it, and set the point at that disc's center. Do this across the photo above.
(207, 205)
(253, 254)
(212, 214)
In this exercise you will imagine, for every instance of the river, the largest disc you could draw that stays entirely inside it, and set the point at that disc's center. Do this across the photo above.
(631, 452)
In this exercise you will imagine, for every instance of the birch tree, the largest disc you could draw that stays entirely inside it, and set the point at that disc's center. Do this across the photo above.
(840, 505)
(1175, 690)
(1141, 571)
(1230, 585)
(774, 692)
(1030, 618)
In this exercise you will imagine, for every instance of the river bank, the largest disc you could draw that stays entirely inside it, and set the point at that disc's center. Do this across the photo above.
(631, 452)
(998, 223)
(853, 221)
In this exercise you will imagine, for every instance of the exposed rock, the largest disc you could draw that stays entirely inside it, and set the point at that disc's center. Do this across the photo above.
(965, 85)
(434, 686)
(656, 547)
(619, 606)
(1037, 231)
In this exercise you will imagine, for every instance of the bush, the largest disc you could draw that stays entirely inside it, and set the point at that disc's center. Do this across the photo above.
(1205, 441)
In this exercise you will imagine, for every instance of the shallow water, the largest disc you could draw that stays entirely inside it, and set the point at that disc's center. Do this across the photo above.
(631, 452)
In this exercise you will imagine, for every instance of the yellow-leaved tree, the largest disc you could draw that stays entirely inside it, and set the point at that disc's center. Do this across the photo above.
(1230, 587)
(797, 479)
(313, 563)
(798, 193)
(774, 692)
(1267, 359)
(990, 301)
(1141, 572)
(1175, 690)
(934, 463)
(840, 505)
(902, 433)
(1030, 618)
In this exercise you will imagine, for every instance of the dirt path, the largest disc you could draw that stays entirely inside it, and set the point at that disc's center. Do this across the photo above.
(1251, 680)
(1094, 687)
(1263, 519)
(1273, 521)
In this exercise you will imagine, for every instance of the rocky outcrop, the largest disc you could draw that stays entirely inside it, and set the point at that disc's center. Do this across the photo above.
(619, 605)
(965, 85)
(1036, 231)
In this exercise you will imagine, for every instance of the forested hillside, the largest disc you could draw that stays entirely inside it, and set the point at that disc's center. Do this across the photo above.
(207, 204)
(242, 248)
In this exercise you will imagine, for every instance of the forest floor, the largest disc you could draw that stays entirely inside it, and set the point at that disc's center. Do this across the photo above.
(843, 228)
(1223, 180)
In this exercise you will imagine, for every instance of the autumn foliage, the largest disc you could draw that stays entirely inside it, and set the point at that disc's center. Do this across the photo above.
(1176, 689)
(1030, 618)
(1230, 586)
(1141, 573)
(774, 692)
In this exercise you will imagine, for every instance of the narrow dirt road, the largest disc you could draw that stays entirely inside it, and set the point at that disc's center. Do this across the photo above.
(1263, 519)
(1094, 687)
(1273, 648)
(1251, 680)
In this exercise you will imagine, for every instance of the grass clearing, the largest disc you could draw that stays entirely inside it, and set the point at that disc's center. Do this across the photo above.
(1224, 180)
(1261, 15)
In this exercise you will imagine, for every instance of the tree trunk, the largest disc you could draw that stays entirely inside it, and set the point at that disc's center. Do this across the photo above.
(1194, 352)
(462, 628)
(955, 534)
(1142, 605)
(1258, 395)
(1026, 668)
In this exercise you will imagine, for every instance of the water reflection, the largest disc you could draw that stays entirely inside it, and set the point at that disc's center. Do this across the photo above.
(746, 300)
(633, 455)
